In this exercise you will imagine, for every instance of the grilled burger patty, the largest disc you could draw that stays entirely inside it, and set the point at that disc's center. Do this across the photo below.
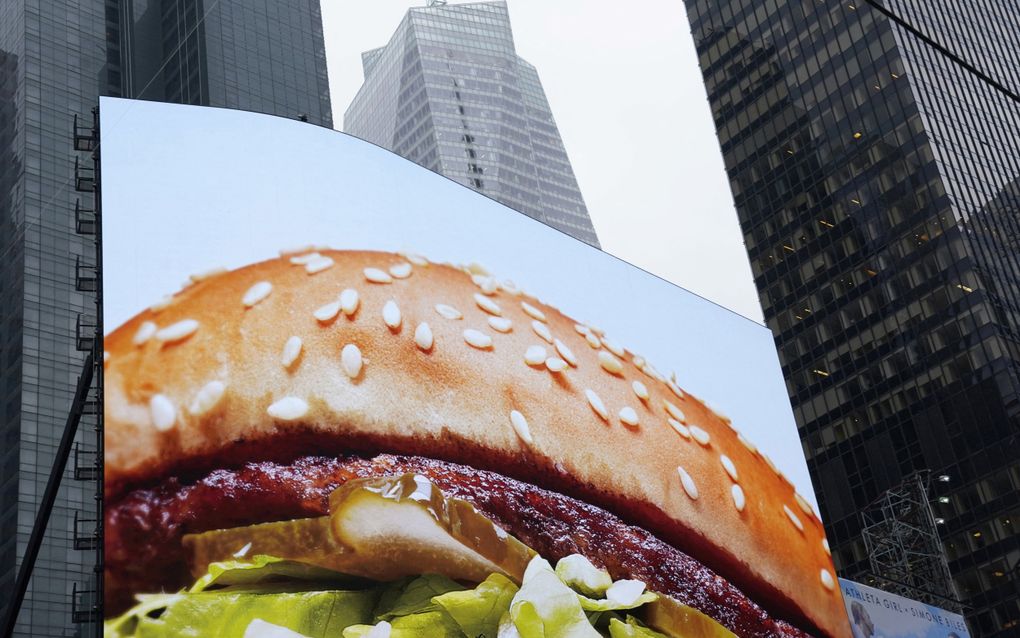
(144, 527)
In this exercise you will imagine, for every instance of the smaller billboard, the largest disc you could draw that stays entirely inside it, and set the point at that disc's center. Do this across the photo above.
(878, 614)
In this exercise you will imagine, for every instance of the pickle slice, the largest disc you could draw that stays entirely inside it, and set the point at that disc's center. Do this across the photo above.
(676, 619)
(405, 526)
(380, 528)
(304, 540)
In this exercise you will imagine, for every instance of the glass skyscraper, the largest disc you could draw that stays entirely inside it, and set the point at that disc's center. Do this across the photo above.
(450, 92)
(875, 177)
(56, 58)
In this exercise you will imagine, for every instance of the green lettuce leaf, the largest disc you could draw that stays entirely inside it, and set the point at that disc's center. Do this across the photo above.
(478, 611)
(544, 607)
(227, 614)
(631, 629)
(577, 572)
(413, 595)
(264, 569)
(623, 594)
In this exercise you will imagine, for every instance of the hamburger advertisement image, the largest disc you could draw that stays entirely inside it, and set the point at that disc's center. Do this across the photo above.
(346, 396)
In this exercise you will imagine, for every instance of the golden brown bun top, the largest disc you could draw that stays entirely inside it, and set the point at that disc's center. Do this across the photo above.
(202, 374)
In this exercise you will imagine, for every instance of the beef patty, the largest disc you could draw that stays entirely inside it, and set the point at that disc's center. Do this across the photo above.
(144, 527)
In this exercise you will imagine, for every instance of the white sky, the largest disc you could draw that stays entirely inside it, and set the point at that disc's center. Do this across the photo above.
(624, 85)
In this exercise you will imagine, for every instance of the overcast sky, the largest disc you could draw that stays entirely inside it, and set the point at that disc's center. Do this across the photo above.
(624, 85)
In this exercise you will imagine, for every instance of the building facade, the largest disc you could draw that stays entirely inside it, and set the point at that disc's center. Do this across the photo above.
(450, 92)
(56, 58)
(875, 179)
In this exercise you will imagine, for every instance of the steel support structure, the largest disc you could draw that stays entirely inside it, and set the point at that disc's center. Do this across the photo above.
(903, 545)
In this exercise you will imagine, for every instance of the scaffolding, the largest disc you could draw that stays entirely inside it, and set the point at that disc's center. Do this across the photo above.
(904, 550)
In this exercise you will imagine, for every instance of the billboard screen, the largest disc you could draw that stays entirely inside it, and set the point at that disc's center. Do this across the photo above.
(344, 395)
(875, 613)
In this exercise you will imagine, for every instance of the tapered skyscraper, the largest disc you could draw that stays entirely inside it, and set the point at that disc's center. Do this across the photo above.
(56, 58)
(874, 163)
(450, 93)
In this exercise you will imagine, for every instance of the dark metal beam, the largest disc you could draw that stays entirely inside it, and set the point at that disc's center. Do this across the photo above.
(42, 518)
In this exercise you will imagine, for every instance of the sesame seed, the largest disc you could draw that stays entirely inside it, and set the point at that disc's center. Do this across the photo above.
(417, 260)
(532, 311)
(629, 417)
(488, 305)
(640, 390)
(477, 339)
(677, 391)
(327, 312)
(377, 276)
(350, 360)
(448, 311)
(699, 435)
(793, 518)
(750, 446)
(474, 268)
(653, 373)
(674, 411)
(688, 483)
(501, 324)
(542, 330)
(318, 265)
(288, 409)
(291, 351)
(296, 250)
(534, 355)
(306, 259)
(391, 315)
(639, 361)
(423, 337)
(610, 363)
(771, 465)
(401, 270)
(520, 425)
(178, 331)
(257, 293)
(162, 303)
(207, 398)
(596, 404)
(738, 497)
(106, 357)
(582, 329)
(489, 285)
(827, 580)
(680, 428)
(162, 412)
(593, 340)
(728, 465)
(208, 274)
(804, 505)
(555, 364)
(349, 301)
(145, 332)
(565, 353)
(612, 347)
(825, 546)
(510, 288)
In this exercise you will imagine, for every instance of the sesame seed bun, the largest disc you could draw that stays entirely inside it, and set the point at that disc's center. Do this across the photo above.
(441, 361)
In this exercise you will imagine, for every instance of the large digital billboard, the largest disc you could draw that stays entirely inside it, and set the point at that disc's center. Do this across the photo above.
(875, 613)
(346, 396)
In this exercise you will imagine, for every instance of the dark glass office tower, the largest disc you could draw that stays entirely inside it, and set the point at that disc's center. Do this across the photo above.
(450, 93)
(257, 55)
(56, 58)
(875, 178)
